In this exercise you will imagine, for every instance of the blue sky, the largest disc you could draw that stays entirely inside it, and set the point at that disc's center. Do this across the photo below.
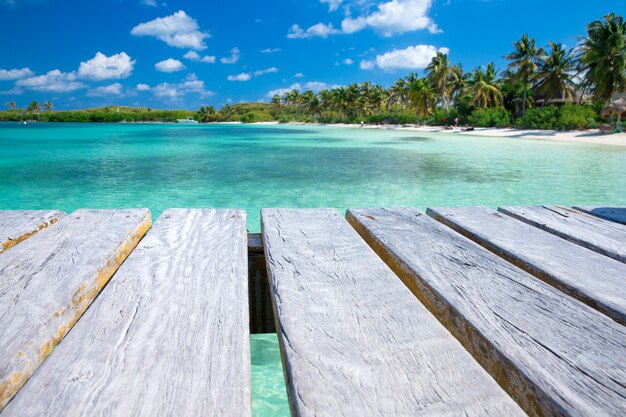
(183, 54)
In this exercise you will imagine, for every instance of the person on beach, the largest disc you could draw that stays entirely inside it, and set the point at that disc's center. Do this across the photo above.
(362, 124)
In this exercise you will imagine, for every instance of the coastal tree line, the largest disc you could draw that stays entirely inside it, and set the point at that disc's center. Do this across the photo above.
(542, 87)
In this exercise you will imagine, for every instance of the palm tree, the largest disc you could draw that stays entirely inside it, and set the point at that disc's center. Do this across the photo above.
(47, 105)
(397, 94)
(555, 73)
(484, 89)
(341, 101)
(439, 73)
(524, 63)
(603, 57)
(207, 114)
(422, 97)
(226, 112)
(33, 107)
(11, 105)
(458, 83)
(277, 105)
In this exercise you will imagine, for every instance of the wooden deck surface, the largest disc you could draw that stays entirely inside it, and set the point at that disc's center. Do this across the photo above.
(49, 280)
(614, 214)
(552, 353)
(18, 225)
(595, 279)
(355, 342)
(168, 336)
(602, 236)
(415, 319)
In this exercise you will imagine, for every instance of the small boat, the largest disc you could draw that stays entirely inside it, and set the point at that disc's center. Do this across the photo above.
(187, 121)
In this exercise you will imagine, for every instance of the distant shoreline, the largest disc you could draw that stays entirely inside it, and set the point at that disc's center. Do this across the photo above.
(591, 136)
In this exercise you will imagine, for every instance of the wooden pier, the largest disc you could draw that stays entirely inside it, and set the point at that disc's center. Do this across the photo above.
(386, 312)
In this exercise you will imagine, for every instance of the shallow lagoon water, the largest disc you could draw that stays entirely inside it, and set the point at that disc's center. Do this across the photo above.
(69, 166)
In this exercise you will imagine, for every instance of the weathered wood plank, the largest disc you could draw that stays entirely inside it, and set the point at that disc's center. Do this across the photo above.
(614, 214)
(168, 336)
(594, 279)
(49, 280)
(18, 225)
(354, 340)
(552, 353)
(599, 235)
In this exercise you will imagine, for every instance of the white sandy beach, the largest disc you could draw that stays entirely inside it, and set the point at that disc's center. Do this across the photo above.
(592, 136)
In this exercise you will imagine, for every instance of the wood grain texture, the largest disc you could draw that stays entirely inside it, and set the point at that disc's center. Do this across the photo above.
(354, 340)
(49, 280)
(552, 353)
(614, 214)
(168, 336)
(591, 232)
(595, 279)
(18, 225)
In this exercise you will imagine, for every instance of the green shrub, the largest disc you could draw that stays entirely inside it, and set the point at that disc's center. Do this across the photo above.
(540, 118)
(495, 117)
(567, 117)
(255, 117)
(573, 116)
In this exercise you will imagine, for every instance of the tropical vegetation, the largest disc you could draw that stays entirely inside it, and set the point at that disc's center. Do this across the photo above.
(551, 87)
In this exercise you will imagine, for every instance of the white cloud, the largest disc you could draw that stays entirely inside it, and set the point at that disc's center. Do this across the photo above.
(244, 76)
(270, 50)
(142, 87)
(234, 57)
(169, 65)
(54, 81)
(194, 56)
(298, 75)
(178, 30)
(396, 16)
(172, 91)
(332, 4)
(389, 18)
(102, 67)
(314, 86)
(322, 30)
(109, 90)
(265, 71)
(347, 61)
(15, 74)
(12, 92)
(412, 58)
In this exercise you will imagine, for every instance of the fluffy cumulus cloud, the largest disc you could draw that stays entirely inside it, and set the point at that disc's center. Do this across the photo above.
(244, 76)
(109, 90)
(102, 67)
(175, 91)
(388, 18)
(233, 58)
(315, 86)
(194, 56)
(178, 30)
(142, 87)
(15, 74)
(169, 65)
(265, 71)
(396, 16)
(320, 30)
(54, 81)
(411, 58)
(298, 75)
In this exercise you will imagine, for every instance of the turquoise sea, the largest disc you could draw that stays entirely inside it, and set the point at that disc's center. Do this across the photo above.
(69, 166)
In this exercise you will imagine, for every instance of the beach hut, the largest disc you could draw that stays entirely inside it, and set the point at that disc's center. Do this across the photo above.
(617, 107)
